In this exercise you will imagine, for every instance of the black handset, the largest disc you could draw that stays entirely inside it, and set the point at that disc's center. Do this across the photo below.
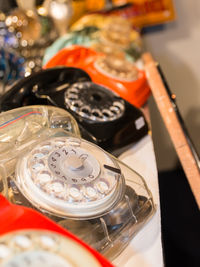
(23, 92)
(103, 117)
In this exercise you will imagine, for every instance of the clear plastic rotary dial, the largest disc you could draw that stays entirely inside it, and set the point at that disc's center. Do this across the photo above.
(70, 177)
(117, 68)
(42, 248)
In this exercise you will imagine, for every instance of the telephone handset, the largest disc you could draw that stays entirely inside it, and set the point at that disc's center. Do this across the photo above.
(19, 127)
(28, 238)
(103, 117)
(78, 185)
(22, 93)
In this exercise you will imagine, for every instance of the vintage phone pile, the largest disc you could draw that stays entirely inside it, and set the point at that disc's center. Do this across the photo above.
(103, 34)
(54, 127)
(103, 117)
(109, 50)
(110, 70)
(70, 180)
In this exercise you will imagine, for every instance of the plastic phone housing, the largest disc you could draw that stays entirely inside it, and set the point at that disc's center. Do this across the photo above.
(28, 238)
(22, 250)
(78, 185)
(19, 127)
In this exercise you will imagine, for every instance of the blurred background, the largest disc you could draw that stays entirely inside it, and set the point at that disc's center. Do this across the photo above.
(176, 47)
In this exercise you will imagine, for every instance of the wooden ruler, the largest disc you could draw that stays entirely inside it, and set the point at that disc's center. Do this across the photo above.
(186, 153)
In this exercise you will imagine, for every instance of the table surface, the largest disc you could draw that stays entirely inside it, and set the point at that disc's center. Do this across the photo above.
(145, 249)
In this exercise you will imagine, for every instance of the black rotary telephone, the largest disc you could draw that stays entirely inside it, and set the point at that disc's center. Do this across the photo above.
(103, 117)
